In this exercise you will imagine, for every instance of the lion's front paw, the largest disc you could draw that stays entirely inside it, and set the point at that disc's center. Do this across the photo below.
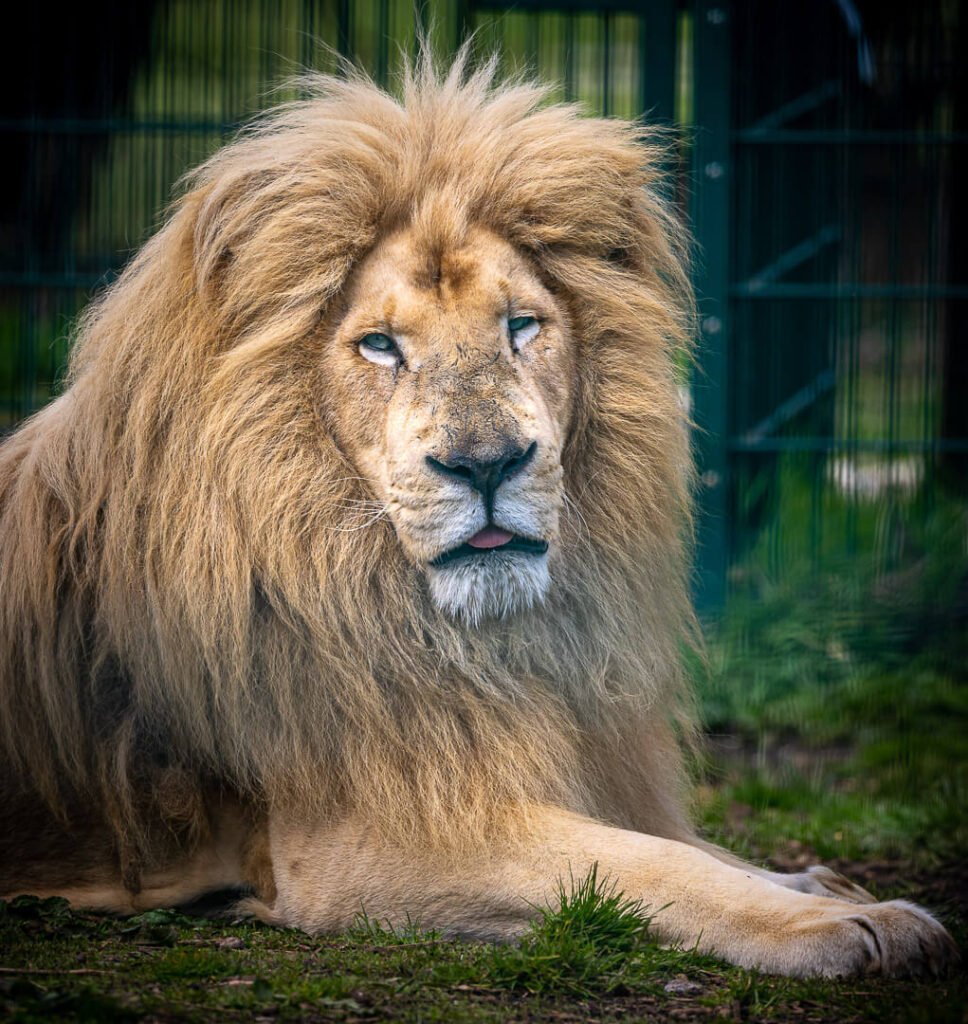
(894, 938)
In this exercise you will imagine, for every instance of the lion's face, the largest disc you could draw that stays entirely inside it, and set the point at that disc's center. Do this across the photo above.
(448, 387)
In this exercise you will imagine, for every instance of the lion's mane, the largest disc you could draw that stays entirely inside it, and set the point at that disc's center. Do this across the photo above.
(188, 595)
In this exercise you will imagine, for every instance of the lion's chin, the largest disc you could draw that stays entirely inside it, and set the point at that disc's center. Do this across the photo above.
(490, 586)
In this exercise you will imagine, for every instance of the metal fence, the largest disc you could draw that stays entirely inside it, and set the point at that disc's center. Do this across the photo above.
(822, 156)
(842, 432)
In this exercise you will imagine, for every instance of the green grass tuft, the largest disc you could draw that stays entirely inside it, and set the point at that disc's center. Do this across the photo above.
(591, 942)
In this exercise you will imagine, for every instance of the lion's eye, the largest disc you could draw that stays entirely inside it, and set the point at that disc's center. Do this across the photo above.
(380, 349)
(522, 329)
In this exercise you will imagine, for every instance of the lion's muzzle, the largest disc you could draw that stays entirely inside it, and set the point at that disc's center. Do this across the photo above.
(482, 472)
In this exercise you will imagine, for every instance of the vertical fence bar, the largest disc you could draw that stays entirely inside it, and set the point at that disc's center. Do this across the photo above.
(383, 42)
(463, 21)
(712, 172)
(570, 62)
(659, 62)
(344, 30)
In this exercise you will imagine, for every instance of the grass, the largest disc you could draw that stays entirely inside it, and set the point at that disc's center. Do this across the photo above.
(593, 959)
(874, 767)
(592, 943)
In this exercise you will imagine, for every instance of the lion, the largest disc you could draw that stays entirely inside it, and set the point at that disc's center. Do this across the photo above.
(350, 569)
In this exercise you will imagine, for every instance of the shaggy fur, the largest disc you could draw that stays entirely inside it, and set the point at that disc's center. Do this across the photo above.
(190, 597)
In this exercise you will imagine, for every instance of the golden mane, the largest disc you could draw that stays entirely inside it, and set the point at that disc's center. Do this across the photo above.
(188, 598)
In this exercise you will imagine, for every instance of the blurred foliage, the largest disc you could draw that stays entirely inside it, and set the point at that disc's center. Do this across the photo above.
(828, 625)
(841, 683)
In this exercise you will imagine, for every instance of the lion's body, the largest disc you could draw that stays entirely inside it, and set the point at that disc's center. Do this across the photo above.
(208, 637)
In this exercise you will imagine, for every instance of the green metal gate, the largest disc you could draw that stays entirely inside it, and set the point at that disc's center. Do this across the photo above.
(822, 157)
(836, 359)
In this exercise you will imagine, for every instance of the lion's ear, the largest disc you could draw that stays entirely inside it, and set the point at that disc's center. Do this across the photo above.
(220, 227)
(620, 257)
(211, 273)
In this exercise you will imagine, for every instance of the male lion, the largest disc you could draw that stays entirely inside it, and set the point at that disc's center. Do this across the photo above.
(350, 568)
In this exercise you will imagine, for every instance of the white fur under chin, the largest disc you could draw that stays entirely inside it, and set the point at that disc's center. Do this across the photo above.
(490, 586)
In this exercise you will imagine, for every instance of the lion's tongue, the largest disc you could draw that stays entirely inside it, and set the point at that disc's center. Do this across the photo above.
(490, 537)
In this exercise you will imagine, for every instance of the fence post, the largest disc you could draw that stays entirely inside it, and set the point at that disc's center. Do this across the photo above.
(712, 177)
(659, 62)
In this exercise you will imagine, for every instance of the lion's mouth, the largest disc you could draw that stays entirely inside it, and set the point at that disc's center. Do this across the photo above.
(487, 542)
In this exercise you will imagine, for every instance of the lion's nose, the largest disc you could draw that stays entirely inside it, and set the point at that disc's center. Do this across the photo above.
(484, 475)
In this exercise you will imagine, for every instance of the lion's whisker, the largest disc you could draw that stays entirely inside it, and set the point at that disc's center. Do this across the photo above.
(571, 507)
(368, 520)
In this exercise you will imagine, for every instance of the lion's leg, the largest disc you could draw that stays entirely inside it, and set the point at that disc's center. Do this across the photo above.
(324, 877)
(209, 867)
(81, 865)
